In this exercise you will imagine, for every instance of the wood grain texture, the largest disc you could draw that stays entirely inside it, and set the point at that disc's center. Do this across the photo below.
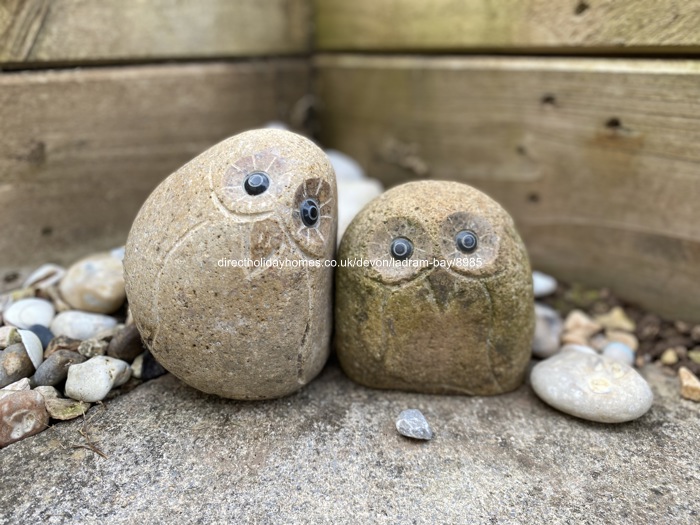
(80, 150)
(78, 31)
(566, 26)
(598, 160)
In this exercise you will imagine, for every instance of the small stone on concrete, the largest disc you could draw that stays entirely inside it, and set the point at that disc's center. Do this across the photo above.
(412, 423)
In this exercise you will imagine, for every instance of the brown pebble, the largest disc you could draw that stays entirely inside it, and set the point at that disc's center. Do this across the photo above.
(695, 333)
(669, 357)
(574, 338)
(580, 323)
(690, 384)
(61, 342)
(15, 364)
(22, 414)
(126, 345)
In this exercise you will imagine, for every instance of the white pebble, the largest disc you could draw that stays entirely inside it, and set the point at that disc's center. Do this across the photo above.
(46, 275)
(32, 344)
(352, 197)
(27, 312)
(620, 352)
(92, 380)
(592, 387)
(118, 253)
(543, 284)
(276, 124)
(137, 366)
(346, 168)
(548, 329)
(81, 325)
(580, 348)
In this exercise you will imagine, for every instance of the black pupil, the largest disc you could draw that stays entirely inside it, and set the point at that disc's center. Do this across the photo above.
(466, 241)
(401, 248)
(256, 183)
(309, 212)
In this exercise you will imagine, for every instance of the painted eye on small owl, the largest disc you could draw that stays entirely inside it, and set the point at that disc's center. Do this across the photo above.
(309, 211)
(466, 241)
(401, 248)
(256, 183)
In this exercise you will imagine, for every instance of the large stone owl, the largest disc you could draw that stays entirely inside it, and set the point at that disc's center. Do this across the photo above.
(434, 293)
(225, 270)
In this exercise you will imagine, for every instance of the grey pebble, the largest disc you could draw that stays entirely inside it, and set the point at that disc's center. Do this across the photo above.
(55, 369)
(548, 328)
(412, 423)
(44, 334)
(150, 368)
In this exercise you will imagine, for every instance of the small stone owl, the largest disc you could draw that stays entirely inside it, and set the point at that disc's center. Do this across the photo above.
(244, 330)
(434, 293)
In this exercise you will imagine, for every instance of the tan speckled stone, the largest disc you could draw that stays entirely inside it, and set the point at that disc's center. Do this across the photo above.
(463, 330)
(239, 332)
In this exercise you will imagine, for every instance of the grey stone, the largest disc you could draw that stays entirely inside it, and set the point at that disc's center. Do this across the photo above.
(55, 369)
(412, 423)
(548, 328)
(330, 454)
(592, 387)
(15, 364)
(44, 334)
(150, 367)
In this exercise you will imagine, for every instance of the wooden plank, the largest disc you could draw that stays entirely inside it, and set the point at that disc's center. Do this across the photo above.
(544, 26)
(598, 160)
(80, 150)
(77, 31)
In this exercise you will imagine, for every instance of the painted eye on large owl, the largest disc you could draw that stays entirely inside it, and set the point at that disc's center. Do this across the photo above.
(311, 221)
(398, 250)
(256, 183)
(401, 248)
(253, 184)
(469, 243)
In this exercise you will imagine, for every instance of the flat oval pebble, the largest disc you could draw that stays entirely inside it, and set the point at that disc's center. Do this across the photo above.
(592, 387)
(65, 409)
(543, 284)
(92, 380)
(548, 328)
(32, 344)
(27, 312)
(619, 352)
(95, 284)
(412, 423)
(81, 325)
